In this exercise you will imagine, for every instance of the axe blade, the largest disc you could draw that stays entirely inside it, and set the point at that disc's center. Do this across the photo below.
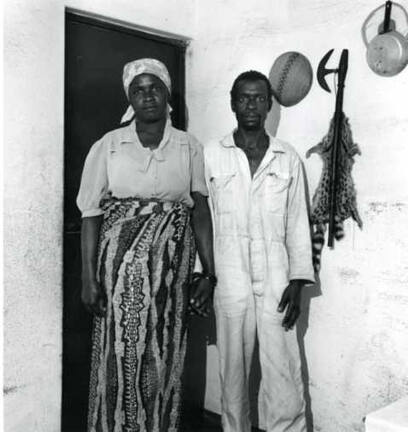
(322, 71)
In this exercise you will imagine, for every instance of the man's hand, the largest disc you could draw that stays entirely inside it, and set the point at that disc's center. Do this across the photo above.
(93, 297)
(291, 301)
(201, 297)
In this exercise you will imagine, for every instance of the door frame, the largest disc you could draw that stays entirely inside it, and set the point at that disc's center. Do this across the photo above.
(155, 34)
(140, 31)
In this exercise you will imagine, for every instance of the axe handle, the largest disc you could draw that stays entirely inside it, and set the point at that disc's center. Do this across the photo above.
(338, 120)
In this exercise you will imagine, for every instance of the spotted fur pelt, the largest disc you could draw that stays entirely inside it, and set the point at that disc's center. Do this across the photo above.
(346, 204)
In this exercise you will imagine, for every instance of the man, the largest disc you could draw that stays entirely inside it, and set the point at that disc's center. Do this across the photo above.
(263, 259)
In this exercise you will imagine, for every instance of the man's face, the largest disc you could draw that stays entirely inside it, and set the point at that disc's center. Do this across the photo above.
(148, 97)
(250, 104)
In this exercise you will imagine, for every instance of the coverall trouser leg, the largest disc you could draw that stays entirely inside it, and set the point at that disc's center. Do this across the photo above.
(281, 386)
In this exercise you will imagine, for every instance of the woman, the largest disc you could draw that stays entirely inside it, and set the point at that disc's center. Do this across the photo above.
(144, 208)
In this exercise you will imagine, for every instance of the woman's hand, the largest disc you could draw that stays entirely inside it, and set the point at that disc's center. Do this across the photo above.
(93, 297)
(203, 284)
(202, 296)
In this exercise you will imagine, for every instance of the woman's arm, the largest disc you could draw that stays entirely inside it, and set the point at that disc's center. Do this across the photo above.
(93, 296)
(202, 227)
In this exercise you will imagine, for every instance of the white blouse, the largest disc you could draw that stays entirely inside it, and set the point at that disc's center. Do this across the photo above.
(119, 164)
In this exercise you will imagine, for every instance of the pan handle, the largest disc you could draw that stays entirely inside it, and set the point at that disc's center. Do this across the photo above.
(367, 20)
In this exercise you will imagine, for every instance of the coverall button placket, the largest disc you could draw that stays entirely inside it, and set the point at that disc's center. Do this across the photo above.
(254, 225)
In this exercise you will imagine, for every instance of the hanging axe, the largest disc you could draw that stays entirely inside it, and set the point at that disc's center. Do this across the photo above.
(341, 71)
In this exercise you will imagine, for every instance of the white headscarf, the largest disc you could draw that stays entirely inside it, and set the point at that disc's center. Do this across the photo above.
(143, 66)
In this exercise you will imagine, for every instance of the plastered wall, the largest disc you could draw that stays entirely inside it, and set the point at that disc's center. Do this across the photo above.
(356, 344)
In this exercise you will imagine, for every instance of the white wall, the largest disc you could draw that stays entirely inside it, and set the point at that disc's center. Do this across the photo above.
(356, 343)
(34, 95)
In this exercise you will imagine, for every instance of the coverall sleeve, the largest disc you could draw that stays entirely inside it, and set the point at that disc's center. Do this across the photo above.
(298, 239)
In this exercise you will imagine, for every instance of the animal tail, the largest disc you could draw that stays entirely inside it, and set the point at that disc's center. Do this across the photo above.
(338, 228)
(317, 245)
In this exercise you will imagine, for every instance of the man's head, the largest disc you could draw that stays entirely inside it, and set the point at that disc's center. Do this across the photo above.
(251, 99)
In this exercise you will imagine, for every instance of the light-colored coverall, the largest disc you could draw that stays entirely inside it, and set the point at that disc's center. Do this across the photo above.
(261, 242)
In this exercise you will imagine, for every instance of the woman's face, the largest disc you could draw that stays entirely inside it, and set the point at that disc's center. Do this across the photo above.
(148, 97)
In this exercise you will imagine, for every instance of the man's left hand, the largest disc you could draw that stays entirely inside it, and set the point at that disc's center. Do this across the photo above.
(291, 302)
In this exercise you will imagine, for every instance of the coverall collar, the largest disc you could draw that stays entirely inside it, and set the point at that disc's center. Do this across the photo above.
(274, 143)
(275, 146)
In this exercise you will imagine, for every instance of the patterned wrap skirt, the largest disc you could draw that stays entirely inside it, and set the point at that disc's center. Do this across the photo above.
(145, 260)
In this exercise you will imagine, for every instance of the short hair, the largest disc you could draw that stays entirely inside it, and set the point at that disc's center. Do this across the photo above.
(251, 75)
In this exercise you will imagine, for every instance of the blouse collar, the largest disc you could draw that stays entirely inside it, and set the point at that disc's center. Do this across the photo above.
(129, 135)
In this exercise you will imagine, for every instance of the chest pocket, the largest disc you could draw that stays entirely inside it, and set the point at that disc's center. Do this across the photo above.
(222, 190)
(276, 190)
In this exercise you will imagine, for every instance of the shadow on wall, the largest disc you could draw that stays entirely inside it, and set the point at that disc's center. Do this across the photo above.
(303, 323)
(273, 119)
(301, 328)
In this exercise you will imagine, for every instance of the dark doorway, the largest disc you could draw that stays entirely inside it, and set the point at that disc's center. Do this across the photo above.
(95, 52)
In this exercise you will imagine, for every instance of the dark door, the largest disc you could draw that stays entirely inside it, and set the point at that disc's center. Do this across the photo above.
(95, 52)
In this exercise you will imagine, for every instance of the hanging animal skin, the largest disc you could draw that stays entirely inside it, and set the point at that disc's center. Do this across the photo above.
(334, 199)
(345, 199)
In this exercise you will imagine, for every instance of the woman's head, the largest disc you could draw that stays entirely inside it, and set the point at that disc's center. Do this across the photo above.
(148, 96)
(147, 85)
